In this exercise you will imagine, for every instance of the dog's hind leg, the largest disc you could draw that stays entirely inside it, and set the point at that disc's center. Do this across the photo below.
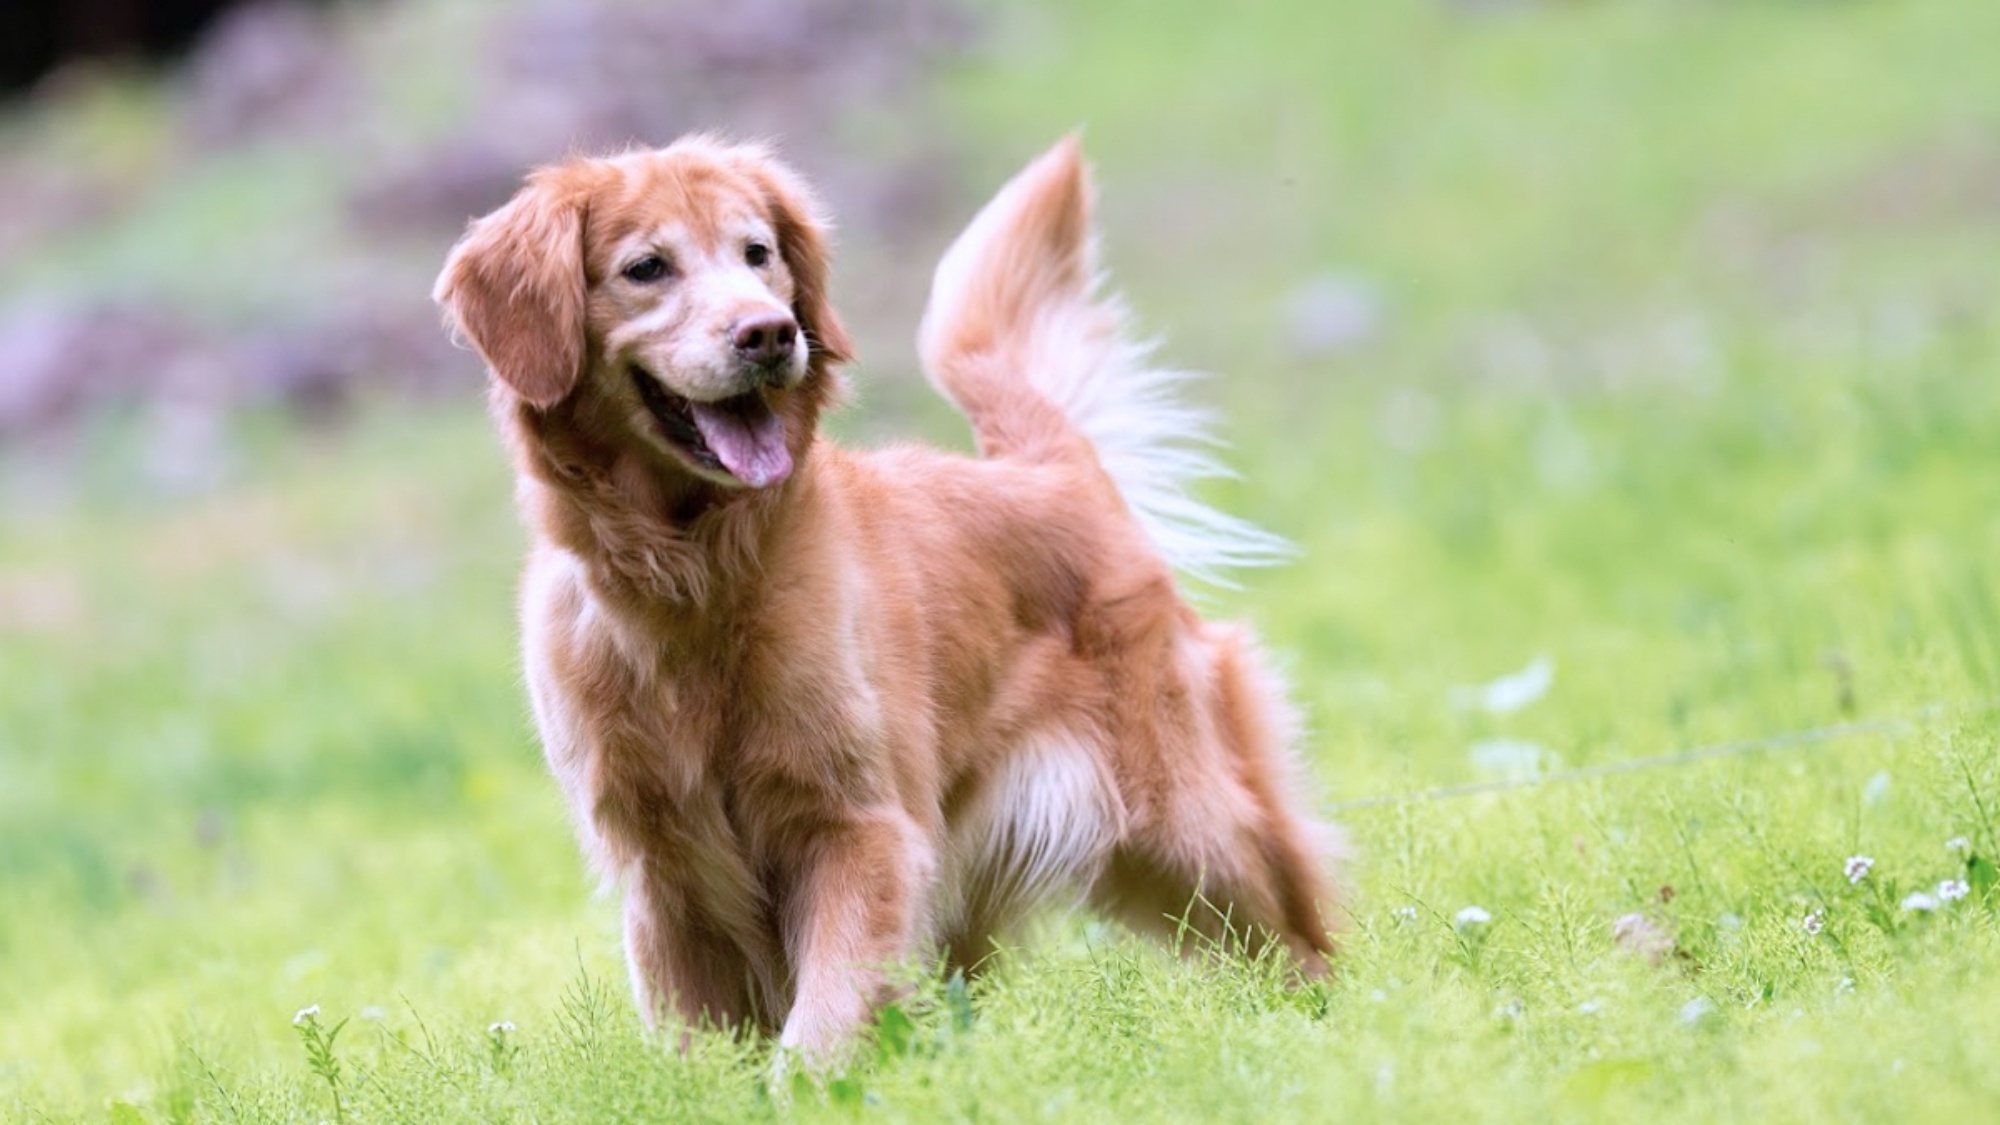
(1262, 885)
(1258, 894)
(1036, 834)
(1224, 851)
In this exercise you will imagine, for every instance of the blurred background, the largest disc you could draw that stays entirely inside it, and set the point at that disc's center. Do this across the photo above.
(1649, 343)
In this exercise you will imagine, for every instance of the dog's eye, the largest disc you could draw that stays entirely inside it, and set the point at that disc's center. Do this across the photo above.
(652, 267)
(757, 254)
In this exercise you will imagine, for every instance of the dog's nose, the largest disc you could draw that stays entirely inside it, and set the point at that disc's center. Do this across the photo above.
(765, 339)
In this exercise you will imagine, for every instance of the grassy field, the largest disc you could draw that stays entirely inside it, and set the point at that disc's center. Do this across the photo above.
(1675, 363)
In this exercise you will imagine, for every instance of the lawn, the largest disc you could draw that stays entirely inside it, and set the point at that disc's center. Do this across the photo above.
(1668, 364)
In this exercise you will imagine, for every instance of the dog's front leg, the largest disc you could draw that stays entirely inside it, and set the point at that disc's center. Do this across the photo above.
(680, 967)
(853, 910)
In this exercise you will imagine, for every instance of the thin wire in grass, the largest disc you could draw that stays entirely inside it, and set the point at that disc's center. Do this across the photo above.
(1789, 740)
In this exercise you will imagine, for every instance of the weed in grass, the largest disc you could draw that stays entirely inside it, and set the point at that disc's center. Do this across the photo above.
(501, 1046)
(318, 1041)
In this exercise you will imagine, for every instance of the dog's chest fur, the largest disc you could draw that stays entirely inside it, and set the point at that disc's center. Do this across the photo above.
(697, 740)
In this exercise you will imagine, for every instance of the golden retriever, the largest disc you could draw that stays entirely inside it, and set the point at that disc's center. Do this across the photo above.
(820, 711)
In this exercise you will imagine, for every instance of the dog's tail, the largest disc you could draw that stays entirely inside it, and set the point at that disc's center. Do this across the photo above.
(1019, 335)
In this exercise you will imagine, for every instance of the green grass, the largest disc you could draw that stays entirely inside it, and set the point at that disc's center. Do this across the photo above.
(1687, 378)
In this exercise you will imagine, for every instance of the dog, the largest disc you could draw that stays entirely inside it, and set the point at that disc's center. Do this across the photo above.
(817, 711)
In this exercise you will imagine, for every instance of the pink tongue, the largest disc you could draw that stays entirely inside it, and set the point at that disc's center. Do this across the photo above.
(746, 437)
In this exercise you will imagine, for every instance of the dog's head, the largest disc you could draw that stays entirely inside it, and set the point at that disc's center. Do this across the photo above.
(676, 298)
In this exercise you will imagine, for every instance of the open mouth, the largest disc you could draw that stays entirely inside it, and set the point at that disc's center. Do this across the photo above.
(741, 437)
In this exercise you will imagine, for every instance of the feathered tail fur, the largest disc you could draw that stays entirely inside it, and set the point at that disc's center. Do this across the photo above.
(1020, 335)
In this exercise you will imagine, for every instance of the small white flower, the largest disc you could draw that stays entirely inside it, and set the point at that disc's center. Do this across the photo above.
(304, 1014)
(1857, 867)
(1694, 1010)
(500, 1028)
(1846, 985)
(1405, 914)
(1951, 890)
(1920, 902)
(1814, 922)
(1471, 916)
(1511, 692)
(1590, 1007)
(1958, 844)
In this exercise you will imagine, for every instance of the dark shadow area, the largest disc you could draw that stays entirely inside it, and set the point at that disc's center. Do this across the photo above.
(38, 36)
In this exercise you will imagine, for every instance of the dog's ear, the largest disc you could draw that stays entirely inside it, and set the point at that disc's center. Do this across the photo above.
(802, 229)
(514, 286)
